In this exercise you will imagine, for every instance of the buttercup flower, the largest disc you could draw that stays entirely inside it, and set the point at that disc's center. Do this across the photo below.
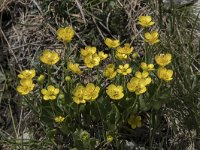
(127, 49)
(59, 119)
(89, 50)
(137, 85)
(109, 71)
(90, 57)
(78, 94)
(91, 92)
(165, 74)
(111, 43)
(65, 34)
(121, 56)
(145, 21)
(163, 59)
(92, 60)
(143, 76)
(122, 53)
(152, 37)
(125, 70)
(74, 68)
(115, 92)
(140, 75)
(146, 67)
(25, 87)
(27, 74)
(102, 55)
(50, 93)
(49, 57)
(135, 121)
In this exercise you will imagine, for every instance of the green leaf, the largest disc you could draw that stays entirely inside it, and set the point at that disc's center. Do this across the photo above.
(79, 144)
(94, 111)
(152, 89)
(156, 105)
(2, 77)
(92, 142)
(114, 116)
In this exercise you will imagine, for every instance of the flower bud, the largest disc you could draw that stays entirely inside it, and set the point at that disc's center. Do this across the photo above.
(109, 138)
(135, 55)
(41, 78)
(68, 78)
(84, 135)
(61, 96)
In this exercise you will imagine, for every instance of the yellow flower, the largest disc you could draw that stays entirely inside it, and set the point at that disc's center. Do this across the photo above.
(143, 77)
(115, 92)
(89, 50)
(127, 49)
(165, 74)
(50, 93)
(102, 55)
(122, 53)
(90, 57)
(109, 138)
(111, 43)
(92, 60)
(59, 119)
(65, 34)
(26, 86)
(41, 78)
(135, 121)
(152, 37)
(109, 71)
(27, 74)
(74, 68)
(78, 94)
(68, 78)
(137, 85)
(146, 67)
(163, 59)
(49, 57)
(91, 92)
(125, 70)
(121, 56)
(145, 21)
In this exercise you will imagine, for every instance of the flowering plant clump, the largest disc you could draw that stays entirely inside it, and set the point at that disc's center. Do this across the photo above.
(111, 89)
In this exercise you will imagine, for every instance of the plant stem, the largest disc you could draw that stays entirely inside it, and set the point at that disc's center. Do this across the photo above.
(48, 70)
(101, 116)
